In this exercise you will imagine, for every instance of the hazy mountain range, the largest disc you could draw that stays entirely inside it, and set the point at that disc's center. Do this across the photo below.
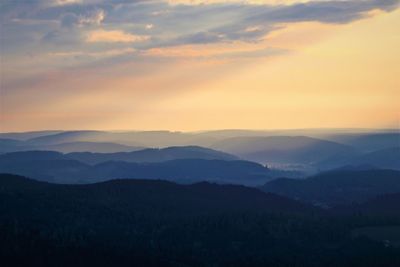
(218, 198)
(320, 150)
(180, 164)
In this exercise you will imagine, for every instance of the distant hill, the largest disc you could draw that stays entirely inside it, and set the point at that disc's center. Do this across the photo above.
(95, 147)
(43, 165)
(68, 137)
(13, 145)
(61, 168)
(153, 155)
(23, 136)
(368, 142)
(284, 149)
(183, 171)
(23, 156)
(132, 138)
(337, 187)
(388, 158)
(298, 156)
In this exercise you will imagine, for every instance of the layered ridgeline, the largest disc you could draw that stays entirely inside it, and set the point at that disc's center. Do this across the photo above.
(11, 145)
(159, 223)
(315, 154)
(286, 150)
(133, 138)
(368, 142)
(341, 187)
(386, 158)
(179, 164)
(153, 155)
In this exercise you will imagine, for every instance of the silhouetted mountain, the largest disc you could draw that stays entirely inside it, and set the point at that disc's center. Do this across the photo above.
(60, 168)
(146, 196)
(337, 187)
(158, 223)
(153, 155)
(388, 205)
(284, 149)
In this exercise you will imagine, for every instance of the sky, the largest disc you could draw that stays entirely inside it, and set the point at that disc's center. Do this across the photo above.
(187, 65)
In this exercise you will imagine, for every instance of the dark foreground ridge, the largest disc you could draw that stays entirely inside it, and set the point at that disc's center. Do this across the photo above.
(159, 223)
(341, 187)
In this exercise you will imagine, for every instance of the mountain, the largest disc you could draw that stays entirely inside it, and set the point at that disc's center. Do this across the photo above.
(148, 196)
(388, 158)
(183, 171)
(94, 147)
(340, 187)
(43, 165)
(387, 205)
(13, 145)
(368, 142)
(153, 155)
(284, 149)
(22, 136)
(24, 156)
(61, 168)
(158, 223)
(132, 138)
(69, 137)
(360, 138)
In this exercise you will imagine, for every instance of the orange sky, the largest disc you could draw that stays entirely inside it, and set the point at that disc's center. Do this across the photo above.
(307, 74)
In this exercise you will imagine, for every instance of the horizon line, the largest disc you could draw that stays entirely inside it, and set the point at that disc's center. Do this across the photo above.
(362, 129)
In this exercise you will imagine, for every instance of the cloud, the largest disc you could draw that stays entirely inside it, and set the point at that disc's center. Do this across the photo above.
(94, 17)
(201, 22)
(67, 2)
(99, 54)
(223, 52)
(326, 11)
(252, 2)
(42, 26)
(114, 37)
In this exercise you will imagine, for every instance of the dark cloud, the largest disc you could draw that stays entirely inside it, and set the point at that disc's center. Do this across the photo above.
(173, 24)
(69, 20)
(329, 12)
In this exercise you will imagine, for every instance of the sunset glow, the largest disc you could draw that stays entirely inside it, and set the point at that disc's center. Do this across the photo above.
(194, 65)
